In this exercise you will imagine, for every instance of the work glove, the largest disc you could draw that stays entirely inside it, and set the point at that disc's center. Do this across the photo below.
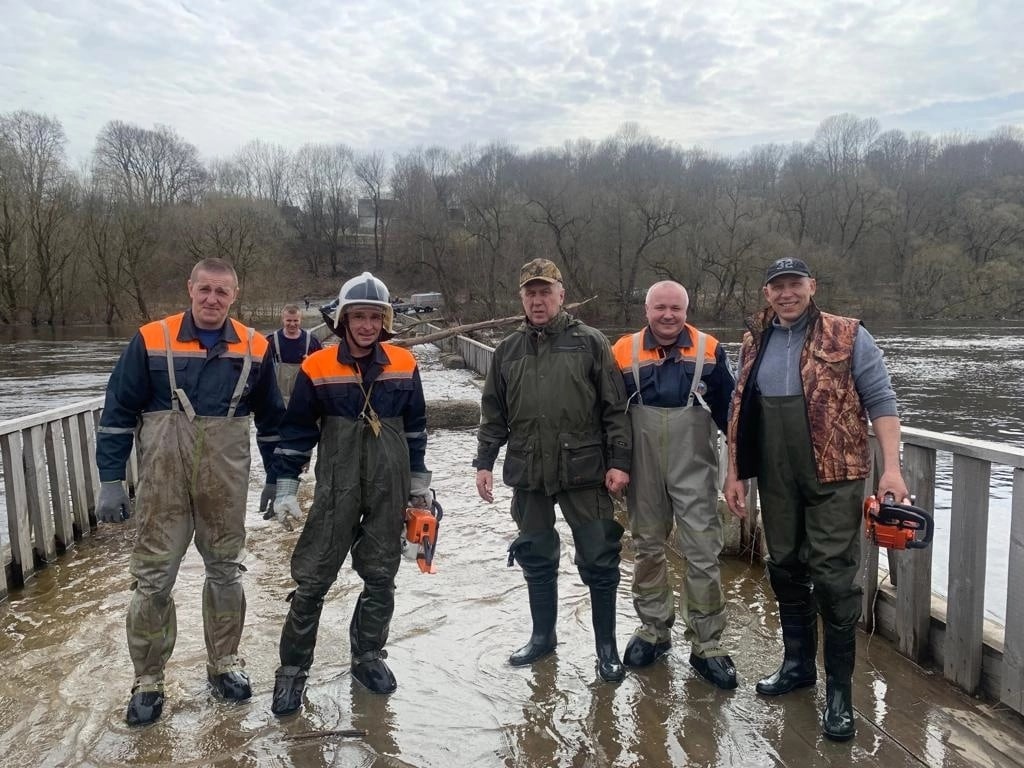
(267, 500)
(419, 490)
(113, 505)
(286, 502)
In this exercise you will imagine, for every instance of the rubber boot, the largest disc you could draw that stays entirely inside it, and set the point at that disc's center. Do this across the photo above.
(602, 609)
(374, 674)
(543, 609)
(144, 707)
(800, 644)
(837, 721)
(289, 683)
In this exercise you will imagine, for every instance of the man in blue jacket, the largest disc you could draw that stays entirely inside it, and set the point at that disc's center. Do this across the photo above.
(187, 385)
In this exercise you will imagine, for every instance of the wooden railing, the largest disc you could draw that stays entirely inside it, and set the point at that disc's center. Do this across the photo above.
(51, 485)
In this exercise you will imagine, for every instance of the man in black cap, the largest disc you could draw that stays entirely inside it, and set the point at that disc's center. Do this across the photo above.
(808, 383)
(554, 395)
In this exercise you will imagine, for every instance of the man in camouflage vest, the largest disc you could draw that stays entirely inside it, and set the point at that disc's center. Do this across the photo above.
(808, 382)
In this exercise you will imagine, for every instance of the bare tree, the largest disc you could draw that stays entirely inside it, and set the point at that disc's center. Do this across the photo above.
(266, 172)
(323, 176)
(424, 186)
(371, 170)
(36, 145)
(243, 232)
(13, 265)
(489, 197)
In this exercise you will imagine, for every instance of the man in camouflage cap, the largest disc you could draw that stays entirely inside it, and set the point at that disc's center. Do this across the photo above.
(554, 395)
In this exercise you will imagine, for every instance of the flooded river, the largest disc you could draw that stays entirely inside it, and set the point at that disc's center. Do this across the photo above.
(67, 673)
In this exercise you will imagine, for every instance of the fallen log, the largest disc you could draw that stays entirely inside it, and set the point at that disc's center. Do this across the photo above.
(453, 414)
(345, 733)
(458, 330)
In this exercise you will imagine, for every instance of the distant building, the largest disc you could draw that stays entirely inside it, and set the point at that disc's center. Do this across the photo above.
(365, 212)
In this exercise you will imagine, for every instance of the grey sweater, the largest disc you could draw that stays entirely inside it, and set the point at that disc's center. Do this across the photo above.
(779, 372)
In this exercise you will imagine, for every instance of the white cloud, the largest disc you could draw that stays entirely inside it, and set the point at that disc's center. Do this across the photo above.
(536, 72)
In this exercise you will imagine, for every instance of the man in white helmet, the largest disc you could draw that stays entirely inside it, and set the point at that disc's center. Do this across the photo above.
(362, 402)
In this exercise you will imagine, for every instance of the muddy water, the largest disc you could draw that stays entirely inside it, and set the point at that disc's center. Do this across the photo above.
(66, 673)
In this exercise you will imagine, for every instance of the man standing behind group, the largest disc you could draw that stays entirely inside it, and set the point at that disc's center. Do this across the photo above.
(291, 346)
(193, 379)
(679, 387)
(808, 382)
(363, 404)
(553, 393)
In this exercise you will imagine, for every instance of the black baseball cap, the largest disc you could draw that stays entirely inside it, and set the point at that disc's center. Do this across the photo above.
(787, 266)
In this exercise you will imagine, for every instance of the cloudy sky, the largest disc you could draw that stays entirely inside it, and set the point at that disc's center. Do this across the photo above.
(721, 74)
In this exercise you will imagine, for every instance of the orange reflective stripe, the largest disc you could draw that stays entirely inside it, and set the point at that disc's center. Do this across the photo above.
(153, 338)
(402, 361)
(323, 367)
(623, 351)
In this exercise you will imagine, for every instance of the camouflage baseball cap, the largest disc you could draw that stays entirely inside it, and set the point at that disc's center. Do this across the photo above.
(539, 269)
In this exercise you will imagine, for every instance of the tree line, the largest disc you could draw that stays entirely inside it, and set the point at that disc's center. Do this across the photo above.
(895, 225)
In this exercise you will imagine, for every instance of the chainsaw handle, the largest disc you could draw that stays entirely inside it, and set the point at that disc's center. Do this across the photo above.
(929, 528)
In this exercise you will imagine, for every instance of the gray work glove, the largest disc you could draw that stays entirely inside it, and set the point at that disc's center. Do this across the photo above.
(267, 500)
(286, 502)
(113, 505)
(419, 490)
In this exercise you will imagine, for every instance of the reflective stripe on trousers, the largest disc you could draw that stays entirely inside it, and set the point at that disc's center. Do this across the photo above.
(674, 470)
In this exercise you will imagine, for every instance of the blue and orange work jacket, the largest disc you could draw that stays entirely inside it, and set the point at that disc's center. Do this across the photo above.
(333, 383)
(140, 384)
(666, 373)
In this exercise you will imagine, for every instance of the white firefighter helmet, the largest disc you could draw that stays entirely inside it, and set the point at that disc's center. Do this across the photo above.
(365, 290)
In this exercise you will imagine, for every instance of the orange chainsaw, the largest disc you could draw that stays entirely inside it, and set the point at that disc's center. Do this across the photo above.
(421, 530)
(897, 526)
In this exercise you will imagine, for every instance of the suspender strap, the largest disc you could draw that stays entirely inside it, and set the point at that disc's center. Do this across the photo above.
(698, 369)
(638, 339)
(243, 377)
(277, 347)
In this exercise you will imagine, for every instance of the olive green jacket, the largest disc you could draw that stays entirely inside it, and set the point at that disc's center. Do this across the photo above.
(555, 396)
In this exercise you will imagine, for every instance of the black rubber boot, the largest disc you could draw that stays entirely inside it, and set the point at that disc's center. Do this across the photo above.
(233, 685)
(144, 707)
(537, 553)
(837, 721)
(602, 608)
(289, 683)
(375, 675)
(544, 611)
(642, 653)
(800, 644)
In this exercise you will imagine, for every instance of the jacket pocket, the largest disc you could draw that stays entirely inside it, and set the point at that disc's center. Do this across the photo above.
(581, 461)
(838, 361)
(515, 472)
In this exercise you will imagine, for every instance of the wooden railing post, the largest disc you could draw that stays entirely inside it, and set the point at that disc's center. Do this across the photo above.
(60, 489)
(18, 524)
(1011, 685)
(77, 470)
(914, 593)
(37, 485)
(968, 535)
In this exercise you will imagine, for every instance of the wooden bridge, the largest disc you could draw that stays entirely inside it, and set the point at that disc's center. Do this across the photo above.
(51, 484)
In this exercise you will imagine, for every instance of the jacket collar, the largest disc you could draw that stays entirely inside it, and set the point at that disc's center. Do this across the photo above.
(189, 332)
(377, 354)
(682, 341)
(558, 323)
